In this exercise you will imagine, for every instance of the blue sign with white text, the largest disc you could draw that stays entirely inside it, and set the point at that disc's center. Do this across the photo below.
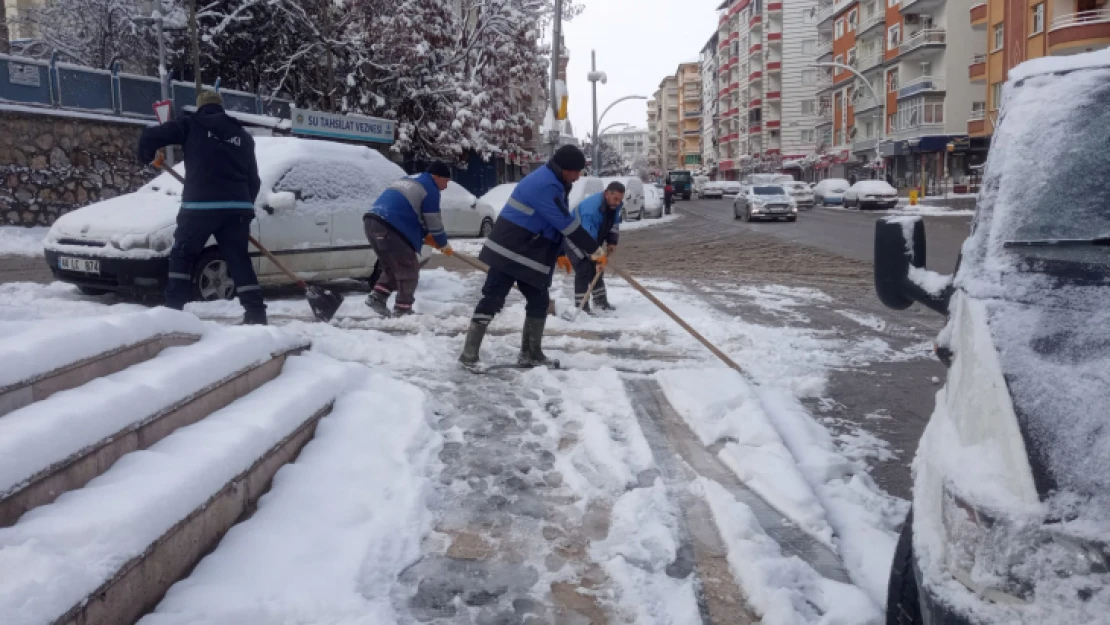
(350, 127)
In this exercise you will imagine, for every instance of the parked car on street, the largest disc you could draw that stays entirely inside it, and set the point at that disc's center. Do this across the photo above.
(653, 202)
(871, 194)
(633, 196)
(764, 202)
(497, 197)
(1010, 523)
(801, 192)
(309, 214)
(830, 191)
(699, 184)
(732, 187)
(465, 215)
(713, 191)
(583, 188)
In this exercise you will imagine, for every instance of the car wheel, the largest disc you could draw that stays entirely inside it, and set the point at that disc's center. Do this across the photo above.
(902, 604)
(748, 215)
(88, 290)
(211, 278)
(486, 229)
(792, 219)
(735, 214)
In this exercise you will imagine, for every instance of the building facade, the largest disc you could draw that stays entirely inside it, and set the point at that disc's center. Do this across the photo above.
(766, 87)
(667, 121)
(709, 106)
(653, 138)
(690, 111)
(630, 143)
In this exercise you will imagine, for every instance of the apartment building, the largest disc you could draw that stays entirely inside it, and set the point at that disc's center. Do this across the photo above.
(667, 110)
(630, 143)
(908, 114)
(709, 106)
(653, 137)
(690, 111)
(767, 89)
(1029, 29)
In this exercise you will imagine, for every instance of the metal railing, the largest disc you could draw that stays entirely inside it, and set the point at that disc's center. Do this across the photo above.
(867, 143)
(868, 23)
(864, 103)
(868, 61)
(922, 38)
(925, 84)
(977, 114)
(978, 58)
(823, 48)
(917, 130)
(1083, 17)
(110, 92)
(825, 11)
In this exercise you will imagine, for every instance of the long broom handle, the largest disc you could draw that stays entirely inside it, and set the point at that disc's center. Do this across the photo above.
(480, 266)
(589, 292)
(160, 163)
(670, 313)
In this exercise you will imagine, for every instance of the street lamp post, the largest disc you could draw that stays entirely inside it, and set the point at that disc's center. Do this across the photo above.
(599, 119)
(556, 53)
(594, 77)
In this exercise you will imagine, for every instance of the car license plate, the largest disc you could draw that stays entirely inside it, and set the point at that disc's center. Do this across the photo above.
(82, 265)
(776, 209)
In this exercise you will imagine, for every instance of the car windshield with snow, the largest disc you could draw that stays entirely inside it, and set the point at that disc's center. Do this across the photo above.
(1011, 509)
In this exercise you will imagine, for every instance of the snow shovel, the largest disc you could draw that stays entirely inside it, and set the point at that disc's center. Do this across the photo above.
(480, 266)
(573, 315)
(323, 302)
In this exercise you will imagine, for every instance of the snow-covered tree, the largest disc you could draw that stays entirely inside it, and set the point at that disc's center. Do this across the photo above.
(612, 163)
(95, 33)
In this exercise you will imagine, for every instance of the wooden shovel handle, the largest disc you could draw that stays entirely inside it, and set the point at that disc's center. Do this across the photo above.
(273, 259)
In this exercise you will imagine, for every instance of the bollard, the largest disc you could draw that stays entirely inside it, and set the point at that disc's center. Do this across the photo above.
(913, 197)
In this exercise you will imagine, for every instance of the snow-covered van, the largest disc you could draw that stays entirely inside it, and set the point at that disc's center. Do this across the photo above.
(314, 194)
(1011, 500)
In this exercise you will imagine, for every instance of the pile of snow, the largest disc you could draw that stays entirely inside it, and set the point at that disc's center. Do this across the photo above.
(630, 226)
(20, 241)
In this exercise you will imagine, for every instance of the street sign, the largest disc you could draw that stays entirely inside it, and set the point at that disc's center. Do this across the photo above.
(349, 127)
(163, 110)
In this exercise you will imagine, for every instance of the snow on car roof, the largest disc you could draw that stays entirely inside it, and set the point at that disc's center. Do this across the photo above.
(878, 185)
(1052, 64)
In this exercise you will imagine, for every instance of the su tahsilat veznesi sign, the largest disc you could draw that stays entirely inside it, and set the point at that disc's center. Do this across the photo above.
(349, 127)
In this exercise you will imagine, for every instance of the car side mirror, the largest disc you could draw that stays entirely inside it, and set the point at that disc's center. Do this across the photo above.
(900, 275)
(282, 202)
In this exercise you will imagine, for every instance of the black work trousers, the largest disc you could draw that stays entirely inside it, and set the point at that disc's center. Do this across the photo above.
(584, 273)
(497, 288)
(399, 262)
(231, 228)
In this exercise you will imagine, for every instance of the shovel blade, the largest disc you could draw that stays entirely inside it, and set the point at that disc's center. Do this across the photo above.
(323, 302)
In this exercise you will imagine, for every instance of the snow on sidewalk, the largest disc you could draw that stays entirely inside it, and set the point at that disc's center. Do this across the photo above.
(336, 530)
(21, 241)
(59, 553)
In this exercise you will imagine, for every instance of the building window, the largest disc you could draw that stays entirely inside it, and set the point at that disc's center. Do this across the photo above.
(893, 3)
(809, 46)
(852, 56)
(809, 16)
(809, 76)
(892, 81)
(1038, 19)
(840, 60)
(809, 107)
(809, 135)
(999, 37)
(894, 37)
(840, 28)
(996, 95)
(978, 108)
(853, 19)
(869, 10)
(891, 121)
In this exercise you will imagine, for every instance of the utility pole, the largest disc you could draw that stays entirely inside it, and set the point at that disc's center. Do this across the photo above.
(556, 54)
(196, 43)
(163, 73)
(597, 139)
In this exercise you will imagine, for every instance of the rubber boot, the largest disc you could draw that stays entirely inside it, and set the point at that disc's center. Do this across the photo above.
(254, 318)
(473, 345)
(531, 345)
(578, 302)
(378, 302)
(602, 303)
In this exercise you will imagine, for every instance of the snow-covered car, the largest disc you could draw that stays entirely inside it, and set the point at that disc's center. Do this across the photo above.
(1010, 521)
(497, 197)
(732, 187)
(583, 188)
(764, 202)
(712, 190)
(633, 196)
(309, 214)
(463, 214)
(830, 191)
(871, 194)
(653, 202)
(801, 192)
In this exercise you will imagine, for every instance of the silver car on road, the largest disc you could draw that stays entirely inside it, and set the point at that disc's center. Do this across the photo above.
(764, 202)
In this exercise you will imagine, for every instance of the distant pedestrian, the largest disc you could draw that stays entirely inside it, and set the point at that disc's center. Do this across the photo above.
(853, 179)
(890, 178)
(523, 249)
(221, 185)
(402, 219)
(668, 197)
(601, 216)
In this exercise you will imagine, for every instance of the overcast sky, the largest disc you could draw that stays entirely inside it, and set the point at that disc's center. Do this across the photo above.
(638, 42)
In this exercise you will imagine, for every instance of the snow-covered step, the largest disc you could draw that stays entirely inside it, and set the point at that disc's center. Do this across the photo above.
(106, 553)
(54, 356)
(58, 444)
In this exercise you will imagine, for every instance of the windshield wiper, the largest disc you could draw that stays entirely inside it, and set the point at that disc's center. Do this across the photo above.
(1103, 241)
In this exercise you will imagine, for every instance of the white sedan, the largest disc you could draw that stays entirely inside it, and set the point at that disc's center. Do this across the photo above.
(465, 215)
(830, 191)
(653, 201)
(309, 214)
(801, 192)
(715, 190)
(871, 194)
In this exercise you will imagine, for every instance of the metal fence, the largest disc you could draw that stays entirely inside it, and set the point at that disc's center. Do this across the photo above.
(111, 92)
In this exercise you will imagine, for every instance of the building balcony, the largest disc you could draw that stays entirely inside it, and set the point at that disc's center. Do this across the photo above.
(825, 11)
(774, 38)
(1078, 32)
(977, 71)
(917, 7)
(869, 25)
(691, 133)
(918, 130)
(824, 48)
(755, 129)
(865, 144)
(755, 76)
(925, 84)
(723, 44)
(923, 40)
(979, 16)
(977, 123)
(692, 113)
(870, 61)
(772, 124)
(774, 96)
(774, 66)
(755, 103)
(865, 104)
(824, 81)
(756, 47)
(756, 22)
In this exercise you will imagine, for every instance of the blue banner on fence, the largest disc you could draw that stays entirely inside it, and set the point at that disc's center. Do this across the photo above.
(25, 80)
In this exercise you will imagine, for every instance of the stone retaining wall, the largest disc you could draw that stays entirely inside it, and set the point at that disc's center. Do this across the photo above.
(51, 164)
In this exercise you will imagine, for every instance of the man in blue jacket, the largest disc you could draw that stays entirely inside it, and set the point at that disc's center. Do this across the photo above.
(523, 250)
(397, 225)
(601, 215)
(221, 185)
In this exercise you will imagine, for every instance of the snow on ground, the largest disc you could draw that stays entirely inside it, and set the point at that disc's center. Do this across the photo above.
(20, 241)
(629, 226)
(927, 210)
(579, 424)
